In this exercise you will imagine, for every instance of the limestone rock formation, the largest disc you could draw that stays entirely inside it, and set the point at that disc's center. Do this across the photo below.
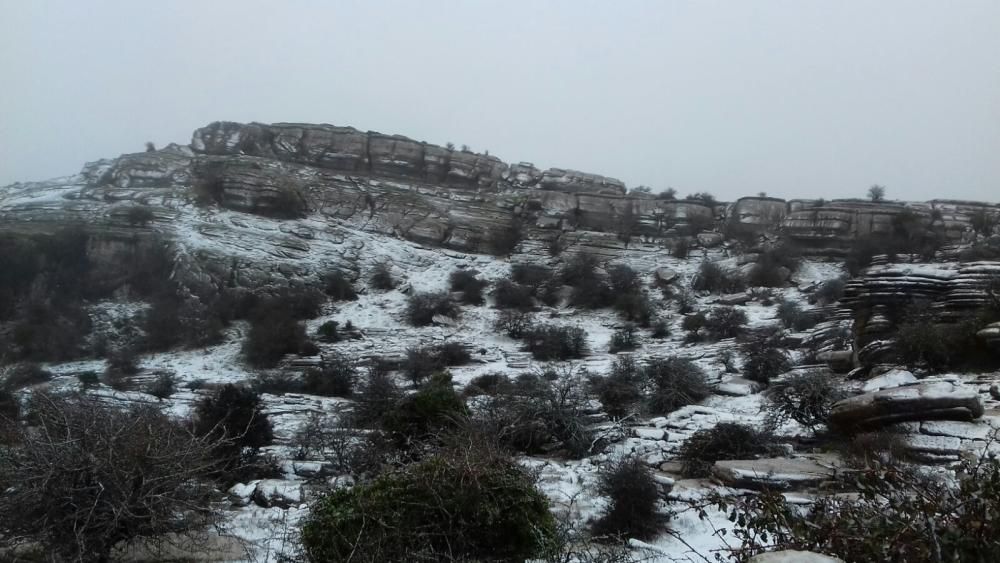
(931, 399)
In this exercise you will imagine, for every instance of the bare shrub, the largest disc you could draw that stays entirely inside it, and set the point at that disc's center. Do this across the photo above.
(85, 477)
(121, 366)
(805, 397)
(620, 391)
(163, 386)
(872, 450)
(542, 413)
(514, 323)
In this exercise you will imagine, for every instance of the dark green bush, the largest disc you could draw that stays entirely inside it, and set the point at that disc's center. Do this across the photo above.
(549, 342)
(792, 316)
(620, 391)
(633, 510)
(772, 264)
(163, 386)
(421, 363)
(328, 332)
(274, 332)
(453, 506)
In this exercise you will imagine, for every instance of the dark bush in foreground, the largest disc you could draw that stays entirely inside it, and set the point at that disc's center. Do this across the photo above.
(233, 417)
(423, 307)
(726, 440)
(634, 496)
(85, 477)
(806, 398)
(674, 382)
(549, 342)
(477, 505)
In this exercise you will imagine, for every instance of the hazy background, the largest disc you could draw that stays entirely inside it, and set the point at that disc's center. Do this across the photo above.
(795, 98)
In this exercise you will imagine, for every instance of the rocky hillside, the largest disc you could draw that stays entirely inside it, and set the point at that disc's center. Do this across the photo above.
(312, 262)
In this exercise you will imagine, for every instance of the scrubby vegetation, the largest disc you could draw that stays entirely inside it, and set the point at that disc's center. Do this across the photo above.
(421, 363)
(713, 278)
(805, 397)
(673, 383)
(725, 322)
(234, 420)
(423, 307)
(550, 342)
(471, 287)
(381, 277)
(763, 359)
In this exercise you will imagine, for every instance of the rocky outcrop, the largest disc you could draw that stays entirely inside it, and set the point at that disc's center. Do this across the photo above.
(937, 399)
(778, 473)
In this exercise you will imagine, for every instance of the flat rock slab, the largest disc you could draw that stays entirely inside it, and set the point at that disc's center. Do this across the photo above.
(888, 380)
(793, 556)
(928, 400)
(777, 473)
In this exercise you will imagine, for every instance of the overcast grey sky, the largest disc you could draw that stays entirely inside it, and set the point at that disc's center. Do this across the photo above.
(796, 98)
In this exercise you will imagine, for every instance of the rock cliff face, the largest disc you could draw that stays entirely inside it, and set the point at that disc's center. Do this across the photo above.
(323, 176)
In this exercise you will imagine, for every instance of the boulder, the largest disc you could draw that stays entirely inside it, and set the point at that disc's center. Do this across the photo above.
(777, 473)
(793, 556)
(734, 299)
(893, 378)
(927, 400)
(666, 275)
(710, 240)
